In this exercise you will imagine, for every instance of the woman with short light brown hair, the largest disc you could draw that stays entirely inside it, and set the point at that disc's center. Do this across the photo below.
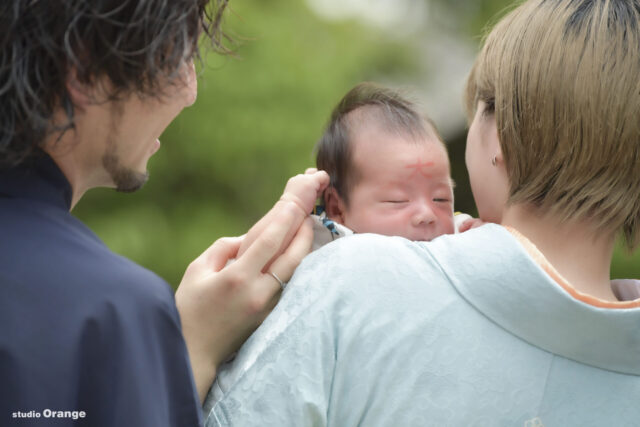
(512, 323)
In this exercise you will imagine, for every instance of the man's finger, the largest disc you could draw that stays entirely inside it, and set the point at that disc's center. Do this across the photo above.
(300, 246)
(286, 220)
(215, 257)
(267, 291)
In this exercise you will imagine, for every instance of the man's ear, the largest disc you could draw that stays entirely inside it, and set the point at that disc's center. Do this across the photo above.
(82, 95)
(334, 205)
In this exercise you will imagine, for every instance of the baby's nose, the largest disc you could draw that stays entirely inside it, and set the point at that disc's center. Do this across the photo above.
(423, 215)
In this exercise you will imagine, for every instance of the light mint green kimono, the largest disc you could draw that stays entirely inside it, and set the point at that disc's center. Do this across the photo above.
(466, 330)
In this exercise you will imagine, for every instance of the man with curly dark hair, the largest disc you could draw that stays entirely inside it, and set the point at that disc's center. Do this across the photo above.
(86, 89)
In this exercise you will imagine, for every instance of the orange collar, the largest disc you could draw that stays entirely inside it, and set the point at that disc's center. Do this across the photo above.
(540, 259)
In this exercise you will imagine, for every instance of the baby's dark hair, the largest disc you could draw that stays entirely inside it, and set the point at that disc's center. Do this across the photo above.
(385, 106)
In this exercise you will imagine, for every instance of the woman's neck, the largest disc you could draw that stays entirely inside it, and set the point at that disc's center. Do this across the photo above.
(580, 253)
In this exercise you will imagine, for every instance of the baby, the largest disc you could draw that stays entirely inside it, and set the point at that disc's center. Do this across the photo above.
(388, 173)
(388, 169)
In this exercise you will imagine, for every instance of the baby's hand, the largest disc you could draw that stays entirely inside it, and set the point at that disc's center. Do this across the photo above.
(470, 223)
(301, 192)
(304, 189)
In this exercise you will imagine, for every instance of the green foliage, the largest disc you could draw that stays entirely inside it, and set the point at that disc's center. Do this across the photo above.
(225, 160)
(625, 265)
(476, 17)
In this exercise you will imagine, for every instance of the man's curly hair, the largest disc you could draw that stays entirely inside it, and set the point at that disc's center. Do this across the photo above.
(135, 44)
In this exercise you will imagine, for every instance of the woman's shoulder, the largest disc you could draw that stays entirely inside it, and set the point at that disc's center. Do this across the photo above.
(396, 269)
(363, 247)
(377, 265)
(364, 253)
(370, 270)
(364, 257)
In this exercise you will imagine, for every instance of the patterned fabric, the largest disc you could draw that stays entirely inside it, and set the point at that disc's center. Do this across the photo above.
(381, 331)
(325, 230)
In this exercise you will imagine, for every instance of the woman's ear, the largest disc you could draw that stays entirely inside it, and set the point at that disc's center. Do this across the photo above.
(334, 205)
(492, 140)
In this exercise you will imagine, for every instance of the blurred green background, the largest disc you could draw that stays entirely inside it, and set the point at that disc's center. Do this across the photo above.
(225, 160)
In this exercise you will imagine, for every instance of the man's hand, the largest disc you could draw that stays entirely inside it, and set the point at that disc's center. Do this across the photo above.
(221, 304)
(302, 191)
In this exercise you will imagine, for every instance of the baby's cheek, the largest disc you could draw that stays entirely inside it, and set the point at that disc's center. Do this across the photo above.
(389, 223)
(363, 220)
(449, 226)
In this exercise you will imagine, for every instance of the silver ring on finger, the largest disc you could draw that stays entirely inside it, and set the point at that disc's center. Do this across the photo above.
(275, 276)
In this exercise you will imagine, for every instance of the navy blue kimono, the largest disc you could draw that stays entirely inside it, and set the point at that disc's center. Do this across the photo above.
(81, 328)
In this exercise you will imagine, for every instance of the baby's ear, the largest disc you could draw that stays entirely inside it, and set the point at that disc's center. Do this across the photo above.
(334, 205)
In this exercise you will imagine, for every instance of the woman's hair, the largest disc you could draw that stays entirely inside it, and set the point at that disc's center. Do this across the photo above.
(563, 80)
(136, 44)
(367, 104)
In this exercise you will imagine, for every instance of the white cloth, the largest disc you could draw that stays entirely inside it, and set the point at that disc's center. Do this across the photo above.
(323, 235)
(465, 330)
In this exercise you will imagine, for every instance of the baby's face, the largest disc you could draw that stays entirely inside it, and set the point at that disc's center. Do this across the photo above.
(402, 188)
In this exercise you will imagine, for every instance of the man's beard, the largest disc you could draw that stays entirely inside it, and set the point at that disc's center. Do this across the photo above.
(126, 180)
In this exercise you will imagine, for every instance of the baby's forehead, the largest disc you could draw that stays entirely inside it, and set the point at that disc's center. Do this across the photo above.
(387, 124)
(368, 141)
(400, 161)
(374, 128)
(384, 118)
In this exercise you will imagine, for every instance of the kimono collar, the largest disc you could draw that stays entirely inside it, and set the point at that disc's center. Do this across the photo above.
(38, 178)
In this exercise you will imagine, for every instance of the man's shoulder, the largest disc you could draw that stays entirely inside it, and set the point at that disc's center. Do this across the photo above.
(115, 278)
(49, 250)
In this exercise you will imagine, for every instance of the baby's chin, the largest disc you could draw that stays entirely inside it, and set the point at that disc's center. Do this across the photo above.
(426, 235)
(416, 236)
(423, 237)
